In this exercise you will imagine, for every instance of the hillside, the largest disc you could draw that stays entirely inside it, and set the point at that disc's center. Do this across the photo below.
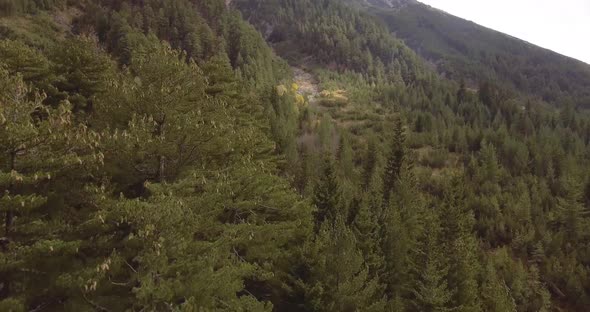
(461, 49)
(274, 155)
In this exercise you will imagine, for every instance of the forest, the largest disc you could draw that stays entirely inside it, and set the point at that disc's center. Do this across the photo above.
(464, 50)
(167, 156)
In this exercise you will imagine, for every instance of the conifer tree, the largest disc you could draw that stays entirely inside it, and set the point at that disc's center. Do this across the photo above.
(401, 227)
(327, 194)
(573, 214)
(431, 290)
(489, 163)
(166, 106)
(35, 68)
(459, 241)
(220, 76)
(366, 229)
(44, 153)
(345, 157)
(495, 293)
(370, 163)
(82, 72)
(395, 160)
(339, 279)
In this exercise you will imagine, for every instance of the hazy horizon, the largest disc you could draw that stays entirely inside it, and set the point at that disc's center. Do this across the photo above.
(564, 29)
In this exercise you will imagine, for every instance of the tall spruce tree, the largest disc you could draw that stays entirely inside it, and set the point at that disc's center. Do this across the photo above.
(431, 290)
(395, 160)
(370, 163)
(327, 194)
(339, 279)
(401, 228)
(459, 240)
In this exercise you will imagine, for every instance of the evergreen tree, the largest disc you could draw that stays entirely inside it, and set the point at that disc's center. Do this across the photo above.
(462, 92)
(573, 214)
(401, 227)
(220, 76)
(82, 71)
(395, 160)
(495, 293)
(43, 154)
(459, 240)
(34, 67)
(370, 163)
(345, 157)
(338, 279)
(327, 194)
(431, 291)
(366, 229)
(182, 196)
(165, 105)
(489, 163)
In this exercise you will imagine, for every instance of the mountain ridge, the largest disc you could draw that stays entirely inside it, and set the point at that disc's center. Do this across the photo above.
(463, 49)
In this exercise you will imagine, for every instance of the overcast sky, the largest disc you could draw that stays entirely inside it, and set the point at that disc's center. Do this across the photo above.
(559, 25)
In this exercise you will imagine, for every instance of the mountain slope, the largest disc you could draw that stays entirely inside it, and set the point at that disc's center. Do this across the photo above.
(464, 50)
(160, 156)
(335, 36)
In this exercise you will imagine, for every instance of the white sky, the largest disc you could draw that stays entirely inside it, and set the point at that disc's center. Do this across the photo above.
(559, 25)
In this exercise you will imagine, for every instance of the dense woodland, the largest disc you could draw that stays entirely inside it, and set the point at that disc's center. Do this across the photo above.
(159, 156)
(461, 49)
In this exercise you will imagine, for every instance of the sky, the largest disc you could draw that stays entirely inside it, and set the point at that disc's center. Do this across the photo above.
(559, 25)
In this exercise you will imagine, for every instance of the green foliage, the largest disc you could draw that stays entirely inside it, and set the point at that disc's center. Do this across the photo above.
(76, 70)
(43, 152)
(328, 195)
(201, 29)
(156, 155)
(338, 279)
(496, 294)
(431, 290)
(395, 161)
(82, 72)
(11, 7)
(464, 50)
(335, 35)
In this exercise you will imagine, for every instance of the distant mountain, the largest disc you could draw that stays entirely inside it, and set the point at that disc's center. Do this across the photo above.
(461, 49)
(391, 4)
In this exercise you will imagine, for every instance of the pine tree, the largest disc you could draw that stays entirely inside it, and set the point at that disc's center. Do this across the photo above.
(82, 72)
(220, 76)
(327, 194)
(165, 254)
(370, 163)
(459, 240)
(18, 58)
(366, 229)
(431, 291)
(44, 153)
(573, 215)
(395, 160)
(345, 157)
(339, 280)
(164, 105)
(401, 227)
(495, 293)
(489, 163)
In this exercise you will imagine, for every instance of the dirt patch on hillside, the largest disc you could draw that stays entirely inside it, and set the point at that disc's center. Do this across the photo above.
(308, 85)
